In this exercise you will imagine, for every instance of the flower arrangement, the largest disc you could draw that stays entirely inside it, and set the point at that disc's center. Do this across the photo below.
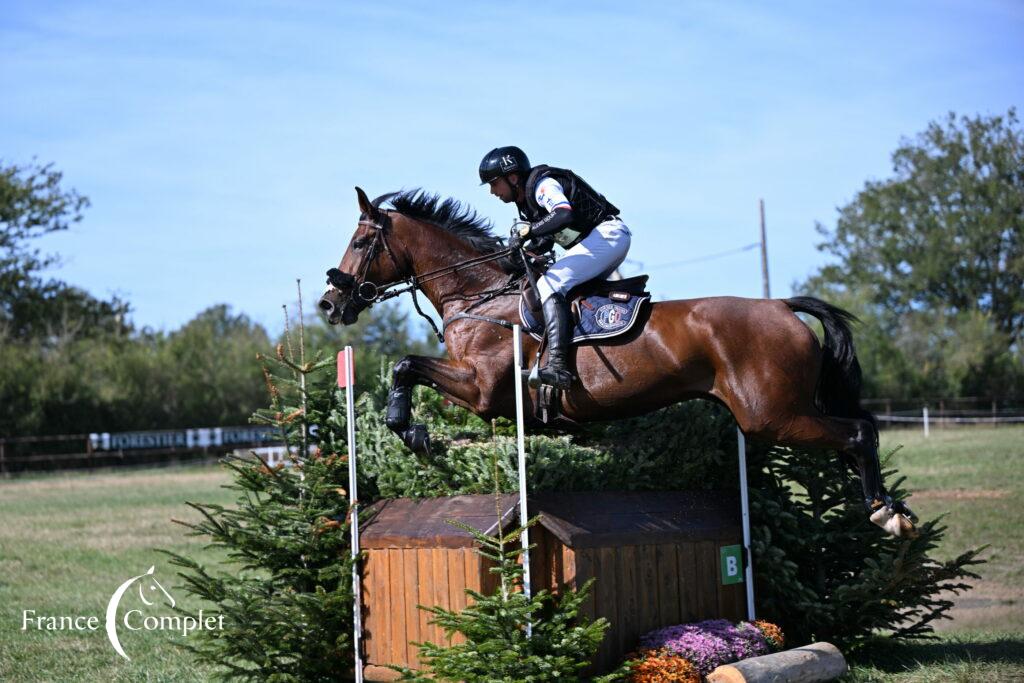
(653, 666)
(704, 646)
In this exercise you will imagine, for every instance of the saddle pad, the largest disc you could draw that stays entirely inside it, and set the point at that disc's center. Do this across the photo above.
(601, 317)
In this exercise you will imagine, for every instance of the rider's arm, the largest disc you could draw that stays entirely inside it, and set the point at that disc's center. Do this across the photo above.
(554, 222)
(550, 196)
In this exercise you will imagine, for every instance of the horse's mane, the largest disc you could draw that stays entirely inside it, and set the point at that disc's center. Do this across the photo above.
(450, 214)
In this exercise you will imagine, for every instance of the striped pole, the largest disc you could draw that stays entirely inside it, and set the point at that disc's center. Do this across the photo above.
(346, 378)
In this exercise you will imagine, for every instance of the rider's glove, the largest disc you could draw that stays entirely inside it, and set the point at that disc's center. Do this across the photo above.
(520, 234)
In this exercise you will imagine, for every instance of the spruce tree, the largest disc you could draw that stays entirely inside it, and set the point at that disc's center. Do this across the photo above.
(824, 572)
(286, 592)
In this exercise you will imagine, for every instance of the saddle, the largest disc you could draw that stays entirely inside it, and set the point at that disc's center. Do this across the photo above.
(601, 308)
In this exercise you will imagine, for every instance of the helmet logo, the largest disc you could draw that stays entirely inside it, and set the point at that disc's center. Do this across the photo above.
(507, 163)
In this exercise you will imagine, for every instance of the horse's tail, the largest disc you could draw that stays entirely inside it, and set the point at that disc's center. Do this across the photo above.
(839, 383)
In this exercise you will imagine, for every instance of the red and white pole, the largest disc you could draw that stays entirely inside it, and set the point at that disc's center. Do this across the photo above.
(347, 380)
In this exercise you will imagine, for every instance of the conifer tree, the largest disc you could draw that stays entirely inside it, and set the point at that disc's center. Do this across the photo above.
(286, 593)
(824, 572)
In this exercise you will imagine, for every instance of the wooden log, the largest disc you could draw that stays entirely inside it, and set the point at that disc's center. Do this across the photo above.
(808, 664)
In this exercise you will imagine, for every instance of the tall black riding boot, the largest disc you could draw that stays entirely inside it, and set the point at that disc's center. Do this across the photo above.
(558, 321)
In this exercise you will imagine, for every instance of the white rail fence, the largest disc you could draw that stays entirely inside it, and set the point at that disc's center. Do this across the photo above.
(960, 418)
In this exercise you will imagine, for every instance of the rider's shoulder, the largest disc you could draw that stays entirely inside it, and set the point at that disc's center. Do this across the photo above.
(547, 185)
(550, 194)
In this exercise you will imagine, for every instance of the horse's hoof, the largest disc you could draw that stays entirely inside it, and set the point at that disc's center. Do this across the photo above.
(881, 516)
(417, 439)
(900, 526)
(894, 522)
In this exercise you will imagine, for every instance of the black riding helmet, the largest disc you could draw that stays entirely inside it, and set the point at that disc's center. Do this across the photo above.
(501, 161)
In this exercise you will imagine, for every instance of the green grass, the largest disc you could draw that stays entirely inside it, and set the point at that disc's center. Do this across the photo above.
(954, 658)
(67, 541)
(975, 477)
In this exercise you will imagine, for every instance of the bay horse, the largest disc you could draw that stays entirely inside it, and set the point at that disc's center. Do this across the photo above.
(755, 356)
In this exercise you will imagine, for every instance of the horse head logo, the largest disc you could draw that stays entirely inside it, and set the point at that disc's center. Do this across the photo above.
(149, 585)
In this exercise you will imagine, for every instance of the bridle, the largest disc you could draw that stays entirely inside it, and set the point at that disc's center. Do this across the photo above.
(361, 290)
(365, 293)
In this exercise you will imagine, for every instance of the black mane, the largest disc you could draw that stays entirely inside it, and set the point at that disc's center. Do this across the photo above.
(449, 214)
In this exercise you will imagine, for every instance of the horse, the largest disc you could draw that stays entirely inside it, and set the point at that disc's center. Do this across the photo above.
(754, 356)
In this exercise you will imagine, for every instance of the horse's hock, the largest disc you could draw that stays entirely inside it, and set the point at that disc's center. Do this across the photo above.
(655, 555)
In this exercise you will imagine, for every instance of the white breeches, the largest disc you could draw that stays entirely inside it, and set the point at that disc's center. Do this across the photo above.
(600, 253)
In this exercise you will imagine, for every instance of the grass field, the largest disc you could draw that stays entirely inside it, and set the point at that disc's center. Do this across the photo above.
(67, 542)
(976, 477)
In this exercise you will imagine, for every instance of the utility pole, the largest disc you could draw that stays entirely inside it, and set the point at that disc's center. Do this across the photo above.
(764, 256)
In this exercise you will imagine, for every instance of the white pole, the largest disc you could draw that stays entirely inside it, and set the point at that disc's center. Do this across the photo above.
(745, 506)
(350, 420)
(924, 413)
(517, 359)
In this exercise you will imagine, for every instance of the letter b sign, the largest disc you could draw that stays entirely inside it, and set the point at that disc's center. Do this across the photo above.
(732, 564)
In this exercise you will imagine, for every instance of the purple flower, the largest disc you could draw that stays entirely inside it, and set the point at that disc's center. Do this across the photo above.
(709, 644)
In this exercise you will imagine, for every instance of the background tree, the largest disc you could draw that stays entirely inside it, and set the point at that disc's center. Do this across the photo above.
(34, 204)
(933, 260)
(72, 363)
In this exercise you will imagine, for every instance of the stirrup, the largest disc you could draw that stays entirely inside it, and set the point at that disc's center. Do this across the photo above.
(560, 379)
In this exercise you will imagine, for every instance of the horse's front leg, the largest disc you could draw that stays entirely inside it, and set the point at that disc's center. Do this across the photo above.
(454, 380)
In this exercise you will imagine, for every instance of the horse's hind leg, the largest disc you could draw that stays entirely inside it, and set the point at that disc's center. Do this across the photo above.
(855, 439)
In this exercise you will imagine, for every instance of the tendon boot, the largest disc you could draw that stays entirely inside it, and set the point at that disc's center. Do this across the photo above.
(558, 321)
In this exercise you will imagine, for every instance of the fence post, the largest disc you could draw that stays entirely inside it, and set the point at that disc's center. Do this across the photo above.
(924, 413)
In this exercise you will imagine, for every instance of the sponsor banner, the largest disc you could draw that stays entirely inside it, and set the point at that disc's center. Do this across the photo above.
(183, 438)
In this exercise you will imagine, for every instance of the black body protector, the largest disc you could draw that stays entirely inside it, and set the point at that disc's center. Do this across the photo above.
(589, 207)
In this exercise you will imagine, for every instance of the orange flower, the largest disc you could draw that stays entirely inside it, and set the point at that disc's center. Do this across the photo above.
(663, 665)
(773, 633)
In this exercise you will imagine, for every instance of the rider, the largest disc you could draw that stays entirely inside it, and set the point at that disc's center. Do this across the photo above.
(557, 206)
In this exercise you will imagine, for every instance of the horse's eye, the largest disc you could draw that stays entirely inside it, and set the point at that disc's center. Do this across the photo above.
(360, 243)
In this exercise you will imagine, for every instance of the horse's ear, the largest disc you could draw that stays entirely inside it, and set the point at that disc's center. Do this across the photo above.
(364, 203)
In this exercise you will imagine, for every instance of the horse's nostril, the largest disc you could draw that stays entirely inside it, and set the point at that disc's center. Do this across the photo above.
(326, 306)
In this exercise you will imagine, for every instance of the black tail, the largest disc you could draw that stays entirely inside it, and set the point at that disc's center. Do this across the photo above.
(839, 384)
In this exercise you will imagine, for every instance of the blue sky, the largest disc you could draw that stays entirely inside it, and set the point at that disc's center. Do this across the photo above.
(220, 143)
